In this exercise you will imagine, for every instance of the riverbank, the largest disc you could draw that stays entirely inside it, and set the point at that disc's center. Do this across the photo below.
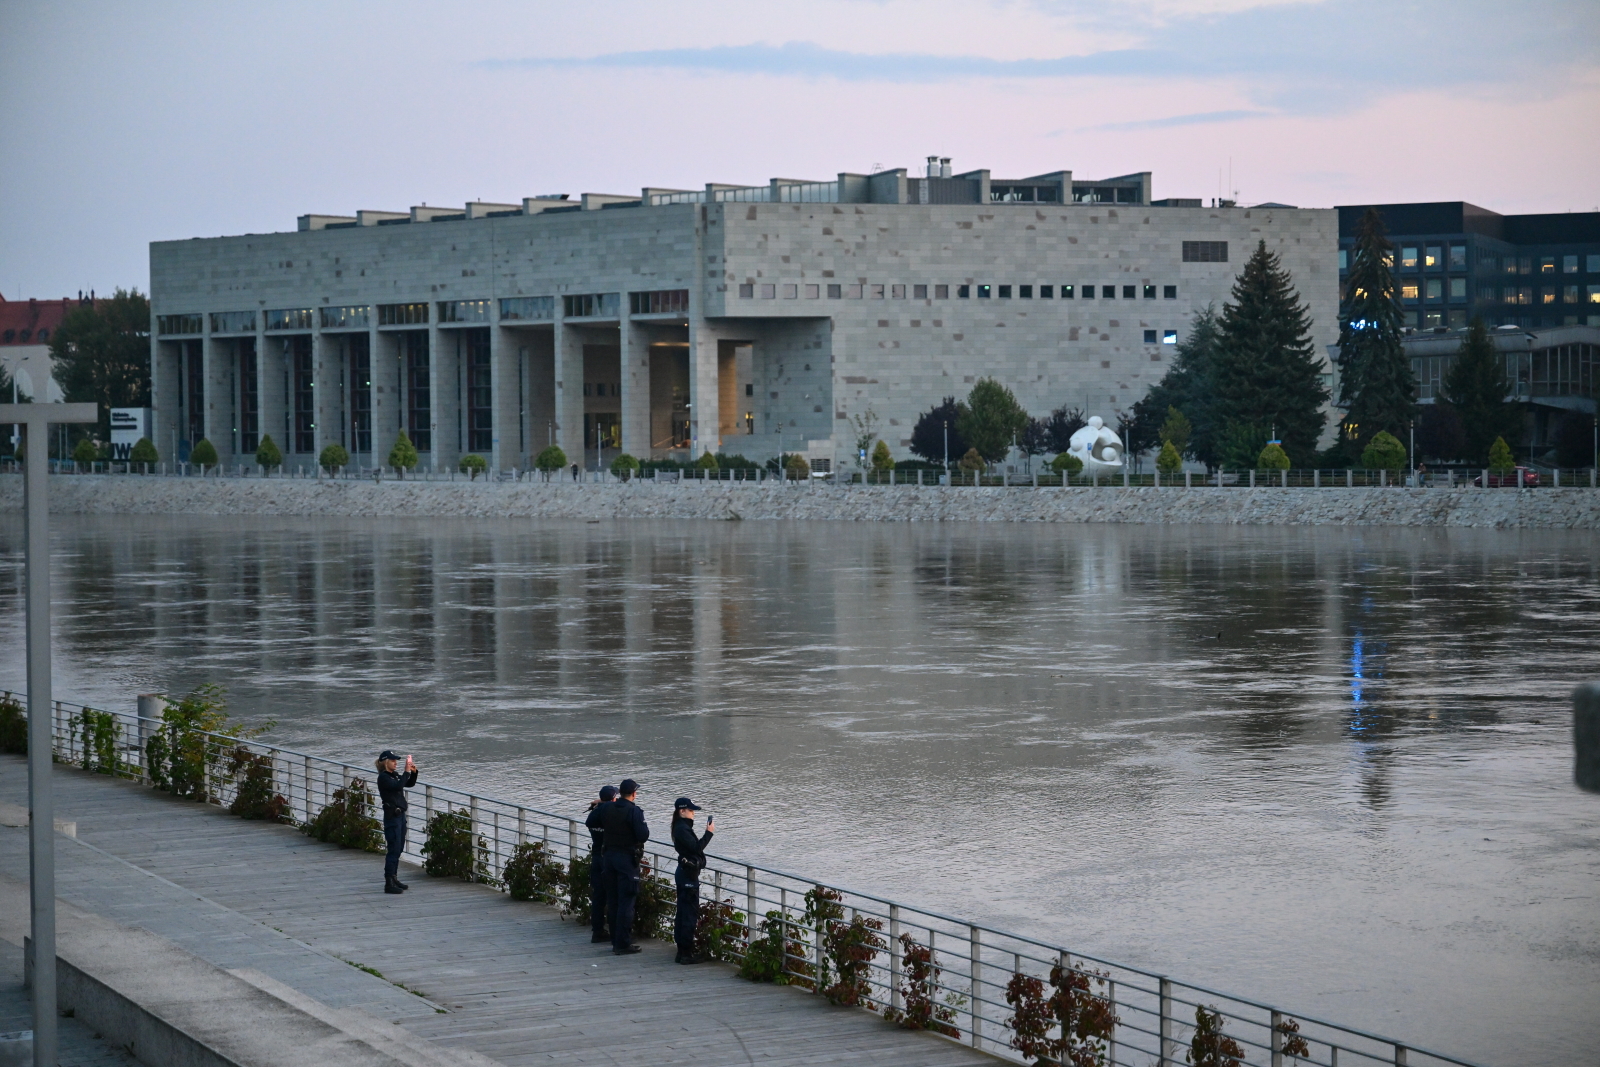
(1577, 508)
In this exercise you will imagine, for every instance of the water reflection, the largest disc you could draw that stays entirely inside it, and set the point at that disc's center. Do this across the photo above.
(1323, 766)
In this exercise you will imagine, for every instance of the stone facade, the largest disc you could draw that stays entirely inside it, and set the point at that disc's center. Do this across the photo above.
(678, 328)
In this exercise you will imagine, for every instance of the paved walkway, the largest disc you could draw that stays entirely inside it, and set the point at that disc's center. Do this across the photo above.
(462, 965)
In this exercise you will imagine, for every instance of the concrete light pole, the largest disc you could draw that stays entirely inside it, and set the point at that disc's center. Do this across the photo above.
(41, 802)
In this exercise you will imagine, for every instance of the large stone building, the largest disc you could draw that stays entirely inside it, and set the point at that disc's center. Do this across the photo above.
(742, 319)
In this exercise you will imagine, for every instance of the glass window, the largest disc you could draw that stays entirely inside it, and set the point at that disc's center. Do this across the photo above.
(346, 318)
(1594, 294)
(1569, 295)
(1592, 264)
(1088, 292)
(919, 292)
(941, 292)
(1525, 295)
(1109, 292)
(1169, 337)
(595, 305)
(985, 291)
(245, 321)
(1510, 264)
(1569, 264)
(1458, 257)
(1432, 257)
(1344, 259)
(746, 292)
(1408, 291)
(1005, 292)
(1149, 337)
(1066, 292)
(1547, 264)
(1458, 319)
(1169, 292)
(528, 307)
(463, 311)
(897, 292)
(791, 291)
(1525, 265)
(1205, 251)
(1130, 292)
(1547, 296)
(1149, 292)
(1408, 257)
(877, 292)
(835, 292)
(179, 324)
(300, 318)
(1025, 292)
(1435, 290)
(769, 291)
(963, 291)
(813, 292)
(1047, 292)
(852, 292)
(1432, 319)
(1458, 288)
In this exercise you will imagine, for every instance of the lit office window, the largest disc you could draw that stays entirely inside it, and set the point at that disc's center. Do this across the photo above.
(1408, 257)
(985, 292)
(1594, 294)
(1169, 337)
(1409, 291)
(1547, 264)
(1432, 257)
(463, 311)
(402, 315)
(353, 317)
(296, 318)
(1067, 292)
(1547, 296)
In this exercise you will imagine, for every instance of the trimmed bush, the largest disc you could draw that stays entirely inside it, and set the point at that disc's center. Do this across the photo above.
(473, 465)
(1274, 458)
(347, 820)
(1384, 452)
(1066, 463)
(796, 468)
(625, 466)
(551, 459)
(333, 458)
(267, 455)
(707, 462)
(1500, 457)
(203, 454)
(452, 850)
(403, 456)
(972, 461)
(532, 873)
(144, 452)
(882, 460)
(85, 452)
(13, 727)
(1168, 462)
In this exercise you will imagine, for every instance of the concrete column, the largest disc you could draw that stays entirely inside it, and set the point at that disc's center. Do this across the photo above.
(325, 382)
(165, 367)
(272, 394)
(386, 396)
(506, 387)
(635, 367)
(704, 389)
(438, 381)
(569, 390)
(218, 410)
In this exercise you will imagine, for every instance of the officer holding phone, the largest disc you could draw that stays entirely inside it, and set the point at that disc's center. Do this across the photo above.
(392, 786)
(691, 861)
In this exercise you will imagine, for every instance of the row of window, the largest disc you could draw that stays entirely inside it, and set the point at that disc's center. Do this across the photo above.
(24, 334)
(1568, 294)
(795, 291)
(1454, 257)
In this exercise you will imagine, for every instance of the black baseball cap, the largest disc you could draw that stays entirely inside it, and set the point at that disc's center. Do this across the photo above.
(388, 753)
(684, 802)
(608, 792)
(628, 787)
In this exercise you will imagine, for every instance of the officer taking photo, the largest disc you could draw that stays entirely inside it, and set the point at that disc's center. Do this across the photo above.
(392, 786)
(691, 861)
(625, 836)
(598, 897)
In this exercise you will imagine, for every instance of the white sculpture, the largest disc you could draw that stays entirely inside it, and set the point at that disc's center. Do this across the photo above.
(1097, 446)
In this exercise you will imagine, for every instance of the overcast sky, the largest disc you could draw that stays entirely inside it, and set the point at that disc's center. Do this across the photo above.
(131, 122)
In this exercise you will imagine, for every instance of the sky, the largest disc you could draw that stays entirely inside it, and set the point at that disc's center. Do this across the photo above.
(131, 123)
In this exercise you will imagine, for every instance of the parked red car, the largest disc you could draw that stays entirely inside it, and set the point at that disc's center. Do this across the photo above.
(1523, 477)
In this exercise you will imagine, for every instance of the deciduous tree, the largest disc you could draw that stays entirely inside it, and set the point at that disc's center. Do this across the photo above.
(928, 436)
(993, 419)
(101, 354)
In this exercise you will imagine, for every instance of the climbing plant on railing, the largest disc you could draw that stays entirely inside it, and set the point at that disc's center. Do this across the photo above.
(255, 794)
(347, 820)
(1085, 1021)
(656, 905)
(579, 871)
(95, 734)
(919, 986)
(720, 932)
(1210, 1047)
(451, 850)
(533, 873)
(1293, 1044)
(13, 727)
(181, 758)
(850, 948)
(779, 954)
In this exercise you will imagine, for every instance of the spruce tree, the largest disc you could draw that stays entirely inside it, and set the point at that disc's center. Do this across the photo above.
(1266, 371)
(1475, 385)
(1186, 387)
(1377, 387)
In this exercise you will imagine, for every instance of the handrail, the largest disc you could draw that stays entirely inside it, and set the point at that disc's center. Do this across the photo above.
(976, 960)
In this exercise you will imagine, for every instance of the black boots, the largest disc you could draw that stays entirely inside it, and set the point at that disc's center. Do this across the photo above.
(392, 885)
(689, 957)
(401, 884)
(599, 936)
(630, 950)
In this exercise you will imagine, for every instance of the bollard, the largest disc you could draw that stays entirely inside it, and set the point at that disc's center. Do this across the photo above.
(1586, 736)
(151, 705)
(1188, 479)
(1252, 478)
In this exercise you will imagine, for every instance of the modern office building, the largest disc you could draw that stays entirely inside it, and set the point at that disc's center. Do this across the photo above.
(741, 319)
(1456, 260)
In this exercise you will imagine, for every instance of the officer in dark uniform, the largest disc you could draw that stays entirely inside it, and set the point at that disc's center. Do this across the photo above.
(625, 835)
(691, 861)
(392, 786)
(597, 869)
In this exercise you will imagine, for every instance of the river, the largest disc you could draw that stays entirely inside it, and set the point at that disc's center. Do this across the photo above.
(1328, 767)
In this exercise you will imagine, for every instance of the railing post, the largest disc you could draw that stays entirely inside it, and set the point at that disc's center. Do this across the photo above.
(151, 705)
(572, 841)
(1399, 1056)
(894, 957)
(1188, 479)
(750, 903)
(1316, 478)
(1169, 1047)
(975, 982)
(1277, 1039)
(1111, 1042)
(1349, 478)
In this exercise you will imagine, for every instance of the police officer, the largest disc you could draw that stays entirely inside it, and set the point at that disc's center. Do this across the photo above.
(623, 848)
(392, 786)
(597, 872)
(691, 861)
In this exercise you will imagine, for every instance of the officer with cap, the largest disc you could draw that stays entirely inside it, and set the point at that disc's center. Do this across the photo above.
(392, 786)
(623, 848)
(691, 861)
(597, 872)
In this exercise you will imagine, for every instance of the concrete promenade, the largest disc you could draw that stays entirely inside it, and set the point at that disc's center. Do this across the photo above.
(462, 966)
(1544, 508)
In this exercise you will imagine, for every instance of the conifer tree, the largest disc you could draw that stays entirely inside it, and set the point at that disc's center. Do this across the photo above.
(1186, 387)
(1475, 385)
(1266, 372)
(1377, 388)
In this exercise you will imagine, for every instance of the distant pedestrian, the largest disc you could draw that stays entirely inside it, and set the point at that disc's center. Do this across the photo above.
(625, 837)
(597, 871)
(392, 785)
(1422, 476)
(574, 472)
(691, 861)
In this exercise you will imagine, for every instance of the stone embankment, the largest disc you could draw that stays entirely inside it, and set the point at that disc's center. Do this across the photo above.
(1575, 508)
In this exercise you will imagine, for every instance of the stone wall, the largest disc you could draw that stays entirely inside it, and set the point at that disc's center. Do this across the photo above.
(123, 495)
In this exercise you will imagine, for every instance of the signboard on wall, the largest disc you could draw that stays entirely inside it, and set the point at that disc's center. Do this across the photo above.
(127, 426)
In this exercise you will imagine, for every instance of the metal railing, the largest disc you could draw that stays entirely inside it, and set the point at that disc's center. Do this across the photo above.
(1155, 1013)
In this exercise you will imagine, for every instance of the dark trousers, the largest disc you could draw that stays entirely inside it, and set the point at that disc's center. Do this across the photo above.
(599, 897)
(394, 833)
(687, 880)
(622, 889)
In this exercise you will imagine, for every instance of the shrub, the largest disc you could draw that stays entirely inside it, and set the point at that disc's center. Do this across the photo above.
(720, 932)
(255, 796)
(144, 452)
(1500, 458)
(707, 462)
(848, 948)
(182, 753)
(551, 459)
(403, 456)
(1066, 463)
(1086, 1021)
(96, 735)
(1210, 1047)
(451, 850)
(203, 454)
(333, 458)
(578, 873)
(972, 461)
(532, 873)
(13, 727)
(881, 459)
(473, 464)
(1273, 458)
(267, 454)
(347, 820)
(1384, 452)
(1176, 430)
(778, 955)
(1168, 462)
(919, 985)
(85, 452)
(656, 905)
(624, 466)
(796, 468)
